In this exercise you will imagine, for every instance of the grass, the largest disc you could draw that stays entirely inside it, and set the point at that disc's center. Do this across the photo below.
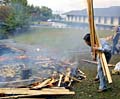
(61, 40)
(87, 89)
(70, 41)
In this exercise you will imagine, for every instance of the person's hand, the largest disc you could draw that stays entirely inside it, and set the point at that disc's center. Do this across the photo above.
(95, 48)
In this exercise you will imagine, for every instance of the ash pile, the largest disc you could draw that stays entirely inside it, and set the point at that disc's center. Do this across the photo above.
(28, 66)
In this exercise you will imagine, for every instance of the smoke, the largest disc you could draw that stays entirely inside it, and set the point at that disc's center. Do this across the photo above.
(29, 62)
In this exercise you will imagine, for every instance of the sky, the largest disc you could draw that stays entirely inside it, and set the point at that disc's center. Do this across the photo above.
(68, 5)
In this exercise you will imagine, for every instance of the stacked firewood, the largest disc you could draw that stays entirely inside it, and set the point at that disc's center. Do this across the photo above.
(59, 83)
(59, 79)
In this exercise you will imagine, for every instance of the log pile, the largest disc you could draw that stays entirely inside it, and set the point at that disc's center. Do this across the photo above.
(57, 84)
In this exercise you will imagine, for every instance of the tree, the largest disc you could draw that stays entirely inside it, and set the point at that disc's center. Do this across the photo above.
(40, 14)
(22, 2)
(18, 16)
(46, 13)
(4, 12)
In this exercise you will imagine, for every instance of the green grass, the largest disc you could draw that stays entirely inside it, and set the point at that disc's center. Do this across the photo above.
(71, 40)
(52, 37)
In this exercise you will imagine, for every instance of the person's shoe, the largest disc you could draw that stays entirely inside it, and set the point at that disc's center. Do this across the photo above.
(96, 79)
(101, 90)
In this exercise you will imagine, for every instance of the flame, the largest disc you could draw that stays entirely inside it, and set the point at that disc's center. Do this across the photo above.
(3, 58)
(22, 57)
(50, 84)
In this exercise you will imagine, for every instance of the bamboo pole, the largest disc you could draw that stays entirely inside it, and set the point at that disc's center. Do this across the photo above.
(95, 41)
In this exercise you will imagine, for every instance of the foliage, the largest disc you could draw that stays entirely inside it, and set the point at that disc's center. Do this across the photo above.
(46, 13)
(14, 14)
(18, 14)
(4, 12)
(40, 14)
(22, 2)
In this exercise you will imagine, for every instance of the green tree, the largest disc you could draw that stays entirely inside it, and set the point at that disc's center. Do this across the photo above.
(18, 17)
(4, 14)
(45, 13)
(22, 2)
(40, 14)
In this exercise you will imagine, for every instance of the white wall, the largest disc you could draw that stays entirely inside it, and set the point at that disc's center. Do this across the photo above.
(102, 20)
(116, 21)
(108, 21)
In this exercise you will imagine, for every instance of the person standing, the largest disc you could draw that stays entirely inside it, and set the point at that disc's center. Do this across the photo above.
(106, 49)
(115, 40)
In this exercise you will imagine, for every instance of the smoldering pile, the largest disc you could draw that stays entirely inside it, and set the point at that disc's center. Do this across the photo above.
(29, 67)
(29, 70)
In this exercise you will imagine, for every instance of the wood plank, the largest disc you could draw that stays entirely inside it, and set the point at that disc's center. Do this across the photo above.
(106, 68)
(95, 37)
(91, 26)
(60, 80)
(94, 62)
(67, 76)
(71, 77)
(103, 61)
(42, 84)
(26, 91)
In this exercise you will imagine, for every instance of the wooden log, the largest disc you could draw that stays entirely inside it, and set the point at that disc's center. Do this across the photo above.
(70, 83)
(67, 76)
(81, 72)
(60, 80)
(71, 77)
(94, 62)
(42, 84)
(50, 83)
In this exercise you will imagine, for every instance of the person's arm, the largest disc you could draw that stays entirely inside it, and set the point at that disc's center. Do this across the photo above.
(98, 49)
(104, 48)
(108, 38)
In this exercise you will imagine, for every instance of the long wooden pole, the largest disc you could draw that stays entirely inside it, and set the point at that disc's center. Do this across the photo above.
(103, 61)
(94, 62)
(95, 41)
(91, 26)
